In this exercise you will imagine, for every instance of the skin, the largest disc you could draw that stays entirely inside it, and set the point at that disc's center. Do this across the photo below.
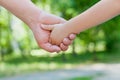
(97, 14)
(34, 17)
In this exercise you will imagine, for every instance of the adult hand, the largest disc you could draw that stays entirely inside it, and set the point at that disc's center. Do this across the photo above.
(42, 36)
(34, 17)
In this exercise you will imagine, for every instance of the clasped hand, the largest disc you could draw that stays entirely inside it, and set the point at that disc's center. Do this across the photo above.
(42, 36)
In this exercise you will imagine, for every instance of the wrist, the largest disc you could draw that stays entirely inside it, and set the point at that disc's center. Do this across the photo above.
(33, 17)
(70, 28)
(65, 29)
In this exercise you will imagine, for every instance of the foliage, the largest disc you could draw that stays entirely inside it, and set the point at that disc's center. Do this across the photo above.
(82, 78)
(19, 40)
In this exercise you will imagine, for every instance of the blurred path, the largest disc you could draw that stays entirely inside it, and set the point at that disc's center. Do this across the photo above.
(109, 71)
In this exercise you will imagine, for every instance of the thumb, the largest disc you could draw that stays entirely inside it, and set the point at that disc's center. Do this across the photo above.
(47, 27)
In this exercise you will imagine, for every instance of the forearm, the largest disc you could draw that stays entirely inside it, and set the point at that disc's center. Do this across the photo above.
(99, 13)
(24, 9)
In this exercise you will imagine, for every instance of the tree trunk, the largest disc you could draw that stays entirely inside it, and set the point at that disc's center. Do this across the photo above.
(2, 56)
(63, 57)
(87, 48)
(94, 41)
(13, 42)
(73, 49)
(94, 52)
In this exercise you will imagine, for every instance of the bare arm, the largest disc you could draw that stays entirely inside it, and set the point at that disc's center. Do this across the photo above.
(24, 9)
(99, 13)
(33, 17)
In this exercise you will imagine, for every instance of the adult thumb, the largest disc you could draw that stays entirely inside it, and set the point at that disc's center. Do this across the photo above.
(47, 27)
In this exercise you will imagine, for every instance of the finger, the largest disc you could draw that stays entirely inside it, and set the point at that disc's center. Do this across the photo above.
(63, 47)
(47, 27)
(52, 19)
(58, 20)
(50, 41)
(51, 48)
(72, 36)
(67, 41)
(56, 48)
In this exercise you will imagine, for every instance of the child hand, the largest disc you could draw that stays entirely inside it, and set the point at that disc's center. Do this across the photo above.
(58, 33)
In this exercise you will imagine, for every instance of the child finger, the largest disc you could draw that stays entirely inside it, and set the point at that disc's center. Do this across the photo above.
(63, 47)
(67, 41)
(72, 36)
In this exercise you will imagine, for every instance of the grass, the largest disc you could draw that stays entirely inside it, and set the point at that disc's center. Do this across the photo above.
(19, 65)
(82, 78)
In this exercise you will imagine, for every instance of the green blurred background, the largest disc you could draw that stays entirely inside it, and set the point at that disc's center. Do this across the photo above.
(19, 52)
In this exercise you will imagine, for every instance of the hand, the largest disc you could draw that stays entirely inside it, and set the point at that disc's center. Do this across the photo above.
(42, 36)
(33, 17)
(59, 32)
